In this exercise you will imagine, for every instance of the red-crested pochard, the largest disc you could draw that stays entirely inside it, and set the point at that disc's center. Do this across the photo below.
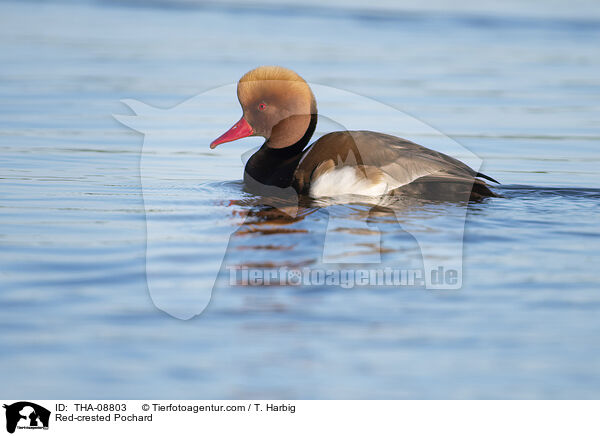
(279, 105)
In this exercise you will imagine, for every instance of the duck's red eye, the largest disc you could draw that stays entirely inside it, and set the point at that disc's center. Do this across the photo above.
(262, 106)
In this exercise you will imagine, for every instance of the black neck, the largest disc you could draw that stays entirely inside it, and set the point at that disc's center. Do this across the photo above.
(275, 166)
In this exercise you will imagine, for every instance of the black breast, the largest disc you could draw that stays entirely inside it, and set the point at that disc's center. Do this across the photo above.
(272, 167)
(276, 166)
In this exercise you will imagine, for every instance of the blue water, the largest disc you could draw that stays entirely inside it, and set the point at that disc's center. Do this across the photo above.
(518, 85)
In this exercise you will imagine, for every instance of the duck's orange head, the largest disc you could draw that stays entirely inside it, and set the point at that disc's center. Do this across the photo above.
(276, 103)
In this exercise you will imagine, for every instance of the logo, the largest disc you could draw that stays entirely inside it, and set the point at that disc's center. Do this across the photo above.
(184, 132)
(26, 415)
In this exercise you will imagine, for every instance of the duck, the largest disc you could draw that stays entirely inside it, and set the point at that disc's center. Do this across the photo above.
(279, 105)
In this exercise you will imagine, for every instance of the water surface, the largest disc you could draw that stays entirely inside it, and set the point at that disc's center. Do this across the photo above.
(517, 86)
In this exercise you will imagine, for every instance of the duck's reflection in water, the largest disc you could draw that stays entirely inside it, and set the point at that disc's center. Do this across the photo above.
(356, 231)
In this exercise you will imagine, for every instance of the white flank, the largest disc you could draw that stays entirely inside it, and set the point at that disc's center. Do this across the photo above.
(346, 181)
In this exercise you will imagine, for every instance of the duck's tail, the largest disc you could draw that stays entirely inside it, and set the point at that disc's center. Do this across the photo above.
(483, 176)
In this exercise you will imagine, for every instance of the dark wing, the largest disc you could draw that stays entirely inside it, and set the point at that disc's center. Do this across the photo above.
(402, 162)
